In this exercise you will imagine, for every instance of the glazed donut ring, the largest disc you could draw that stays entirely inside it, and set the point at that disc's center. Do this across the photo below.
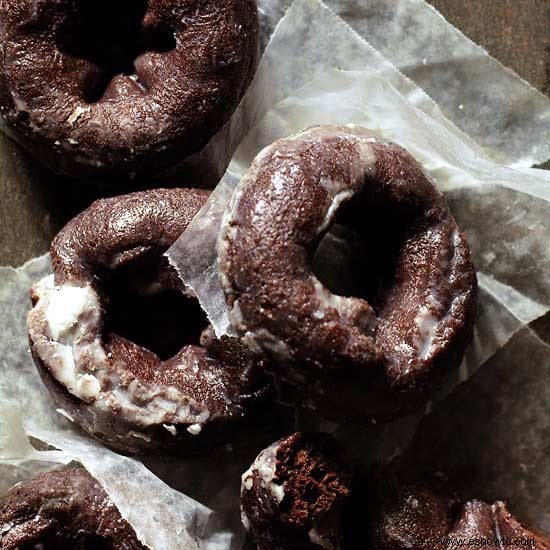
(103, 90)
(63, 509)
(375, 354)
(115, 389)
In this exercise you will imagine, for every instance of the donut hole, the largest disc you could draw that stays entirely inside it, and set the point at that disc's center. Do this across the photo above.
(359, 254)
(145, 306)
(111, 36)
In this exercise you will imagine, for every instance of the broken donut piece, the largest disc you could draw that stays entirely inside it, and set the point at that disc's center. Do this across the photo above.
(294, 495)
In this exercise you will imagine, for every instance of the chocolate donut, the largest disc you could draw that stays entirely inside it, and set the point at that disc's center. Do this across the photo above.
(418, 517)
(415, 515)
(65, 509)
(299, 495)
(295, 493)
(102, 90)
(91, 337)
(377, 341)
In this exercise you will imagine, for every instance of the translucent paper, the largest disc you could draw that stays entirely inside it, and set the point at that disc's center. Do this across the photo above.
(505, 214)
(499, 110)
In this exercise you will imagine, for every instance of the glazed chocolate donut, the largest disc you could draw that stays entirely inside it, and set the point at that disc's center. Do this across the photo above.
(418, 517)
(376, 342)
(115, 388)
(65, 509)
(102, 90)
(295, 493)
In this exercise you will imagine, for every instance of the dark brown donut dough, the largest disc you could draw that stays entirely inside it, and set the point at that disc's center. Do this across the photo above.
(63, 510)
(198, 394)
(294, 495)
(106, 90)
(299, 488)
(379, 347)
(419, 517)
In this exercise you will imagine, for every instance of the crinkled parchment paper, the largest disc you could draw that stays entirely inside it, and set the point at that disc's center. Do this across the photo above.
(429, 61)
(299, 82)
(490, 436)
(414, 48)
(500, 111)
(505, 213)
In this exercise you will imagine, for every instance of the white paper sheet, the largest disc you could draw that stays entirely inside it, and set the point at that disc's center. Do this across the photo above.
(489, 102)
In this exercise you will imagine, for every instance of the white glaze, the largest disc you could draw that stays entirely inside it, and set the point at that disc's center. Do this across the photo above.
(139, 435)
(5, 527)
(65, 309)
(265, 468)
(338, 199)
(77, 112)
(338, 191)
(244, 520)
(88, 387)
(194, 429)
(171, 429)
(347, 308)
(65, 326)
(431, 315)
(427, 323)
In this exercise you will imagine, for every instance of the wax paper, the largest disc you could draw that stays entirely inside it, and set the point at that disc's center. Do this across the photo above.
(183, 503)
(504, 213)
(429, 61)
(490, 437)
(499, 110)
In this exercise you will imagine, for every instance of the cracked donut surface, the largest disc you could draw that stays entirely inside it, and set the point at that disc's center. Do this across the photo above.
(378, 346)
(116, 389)
(65, 509)
(103, 90)
(294, 495)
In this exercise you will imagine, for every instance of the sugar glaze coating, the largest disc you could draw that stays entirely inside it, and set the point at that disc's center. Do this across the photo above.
(115, 389)
(372, 355)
